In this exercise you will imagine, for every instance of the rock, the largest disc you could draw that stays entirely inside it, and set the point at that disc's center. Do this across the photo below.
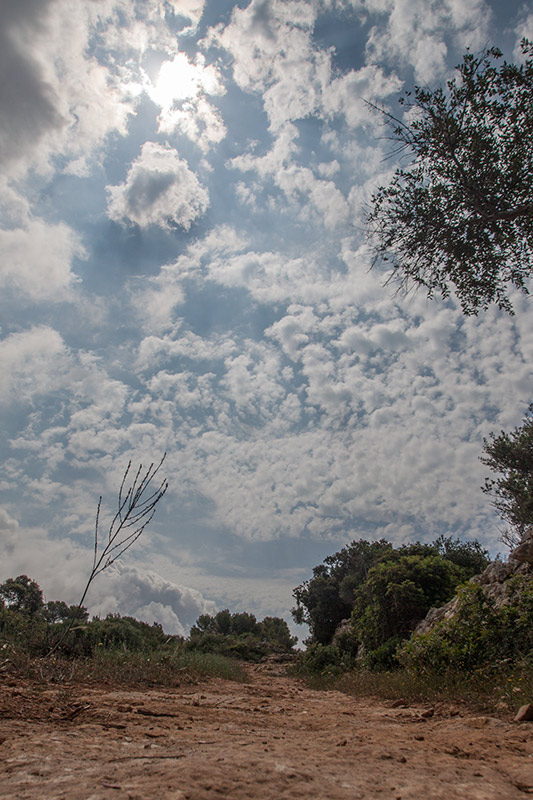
(343, 629)
(525, 713)
(493, 581)
(524, 552)
(497, 572)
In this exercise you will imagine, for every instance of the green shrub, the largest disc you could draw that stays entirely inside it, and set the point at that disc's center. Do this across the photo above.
(478, 635)
(246, 647)
(240, 635)
(324, 660)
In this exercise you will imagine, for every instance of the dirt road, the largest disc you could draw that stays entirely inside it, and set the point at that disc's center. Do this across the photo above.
(269, 739)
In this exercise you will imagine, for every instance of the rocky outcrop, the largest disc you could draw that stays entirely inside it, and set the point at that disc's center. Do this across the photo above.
(493, 580)
(524, 552)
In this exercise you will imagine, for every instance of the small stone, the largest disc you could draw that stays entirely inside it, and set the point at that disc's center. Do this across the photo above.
(428, 713)
(525, 713)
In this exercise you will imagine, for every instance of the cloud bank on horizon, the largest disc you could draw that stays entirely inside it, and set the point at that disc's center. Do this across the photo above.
(184, 269)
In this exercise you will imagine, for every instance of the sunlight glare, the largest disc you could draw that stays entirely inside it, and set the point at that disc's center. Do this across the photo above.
(180, 80)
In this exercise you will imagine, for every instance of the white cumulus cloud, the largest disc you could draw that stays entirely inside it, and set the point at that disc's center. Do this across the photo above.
(36, 259)
(160, 189)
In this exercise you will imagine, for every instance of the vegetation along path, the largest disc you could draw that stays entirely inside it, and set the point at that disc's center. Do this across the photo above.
(269, 738)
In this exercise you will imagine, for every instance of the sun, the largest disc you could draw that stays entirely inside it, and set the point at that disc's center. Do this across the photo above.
(177, 80)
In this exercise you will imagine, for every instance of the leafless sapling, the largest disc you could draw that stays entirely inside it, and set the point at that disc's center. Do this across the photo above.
(136, 507)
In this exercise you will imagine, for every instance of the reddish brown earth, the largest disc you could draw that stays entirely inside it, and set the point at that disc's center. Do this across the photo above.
(271, 738)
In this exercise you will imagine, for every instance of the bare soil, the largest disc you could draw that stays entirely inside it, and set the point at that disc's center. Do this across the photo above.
(270, 738)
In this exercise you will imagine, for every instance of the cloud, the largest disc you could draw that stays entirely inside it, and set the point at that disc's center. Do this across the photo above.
(523, 30)
(30, 361)
(27, 99)
(58, 98)
(156, 306)
(416, 31)
(61, 567)
(272, 53)
(37, 259)
(154, 350)
(160, 189)
(192, 9)
(199, 121)
(180, 90)
(350, 94)
(145, 595)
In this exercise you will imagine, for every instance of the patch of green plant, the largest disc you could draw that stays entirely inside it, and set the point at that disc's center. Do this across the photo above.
(499, 688)
(479, 635)
(122, 668)
(212, 665)
(383, 592)
(240, 635)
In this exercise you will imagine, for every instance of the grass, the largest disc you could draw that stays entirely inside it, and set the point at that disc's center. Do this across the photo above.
(119, 668)
(495, 689)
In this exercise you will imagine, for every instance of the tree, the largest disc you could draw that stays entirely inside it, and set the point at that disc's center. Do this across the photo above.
(461, 214)
(240, 635)
(384, 590)
(22, 594)
(398, 593)
(469, 556)
(325, 600)
(58, 611)
(275, 631)
(511, 455)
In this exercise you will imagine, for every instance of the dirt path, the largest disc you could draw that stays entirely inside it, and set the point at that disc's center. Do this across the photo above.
(271, 739)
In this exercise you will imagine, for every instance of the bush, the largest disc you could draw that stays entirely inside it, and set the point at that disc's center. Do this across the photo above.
(326, 660)
(240, 635)
(478, 635)
(384, 590)
(246, 647)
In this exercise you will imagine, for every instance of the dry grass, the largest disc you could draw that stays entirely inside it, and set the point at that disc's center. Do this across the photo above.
(119, 668)
(496, 689)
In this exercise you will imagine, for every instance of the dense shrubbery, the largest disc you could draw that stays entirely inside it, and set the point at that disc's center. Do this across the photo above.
(28, 623)
(384, 592)
(32, 629)
(240, 635)
(479, 635)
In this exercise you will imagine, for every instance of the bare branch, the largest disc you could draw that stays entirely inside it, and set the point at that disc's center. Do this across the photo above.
(136, 509)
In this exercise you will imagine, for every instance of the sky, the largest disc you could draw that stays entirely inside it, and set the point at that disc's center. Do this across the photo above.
(184, 268)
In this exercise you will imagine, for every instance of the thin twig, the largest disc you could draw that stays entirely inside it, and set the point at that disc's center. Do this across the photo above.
(135, 512)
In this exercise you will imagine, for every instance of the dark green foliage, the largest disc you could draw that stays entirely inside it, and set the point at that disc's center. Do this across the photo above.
(511, 455)
(30, 624)
(329, 597)
(58, 611)
(325, 600)
(461, 214)
(35, 628)
(397, 594)
(478, 635)
(275, 631)
(116, 633)
(322, 659)
(384, 592)
(240, 635)
(22, 594)
(470, 556)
